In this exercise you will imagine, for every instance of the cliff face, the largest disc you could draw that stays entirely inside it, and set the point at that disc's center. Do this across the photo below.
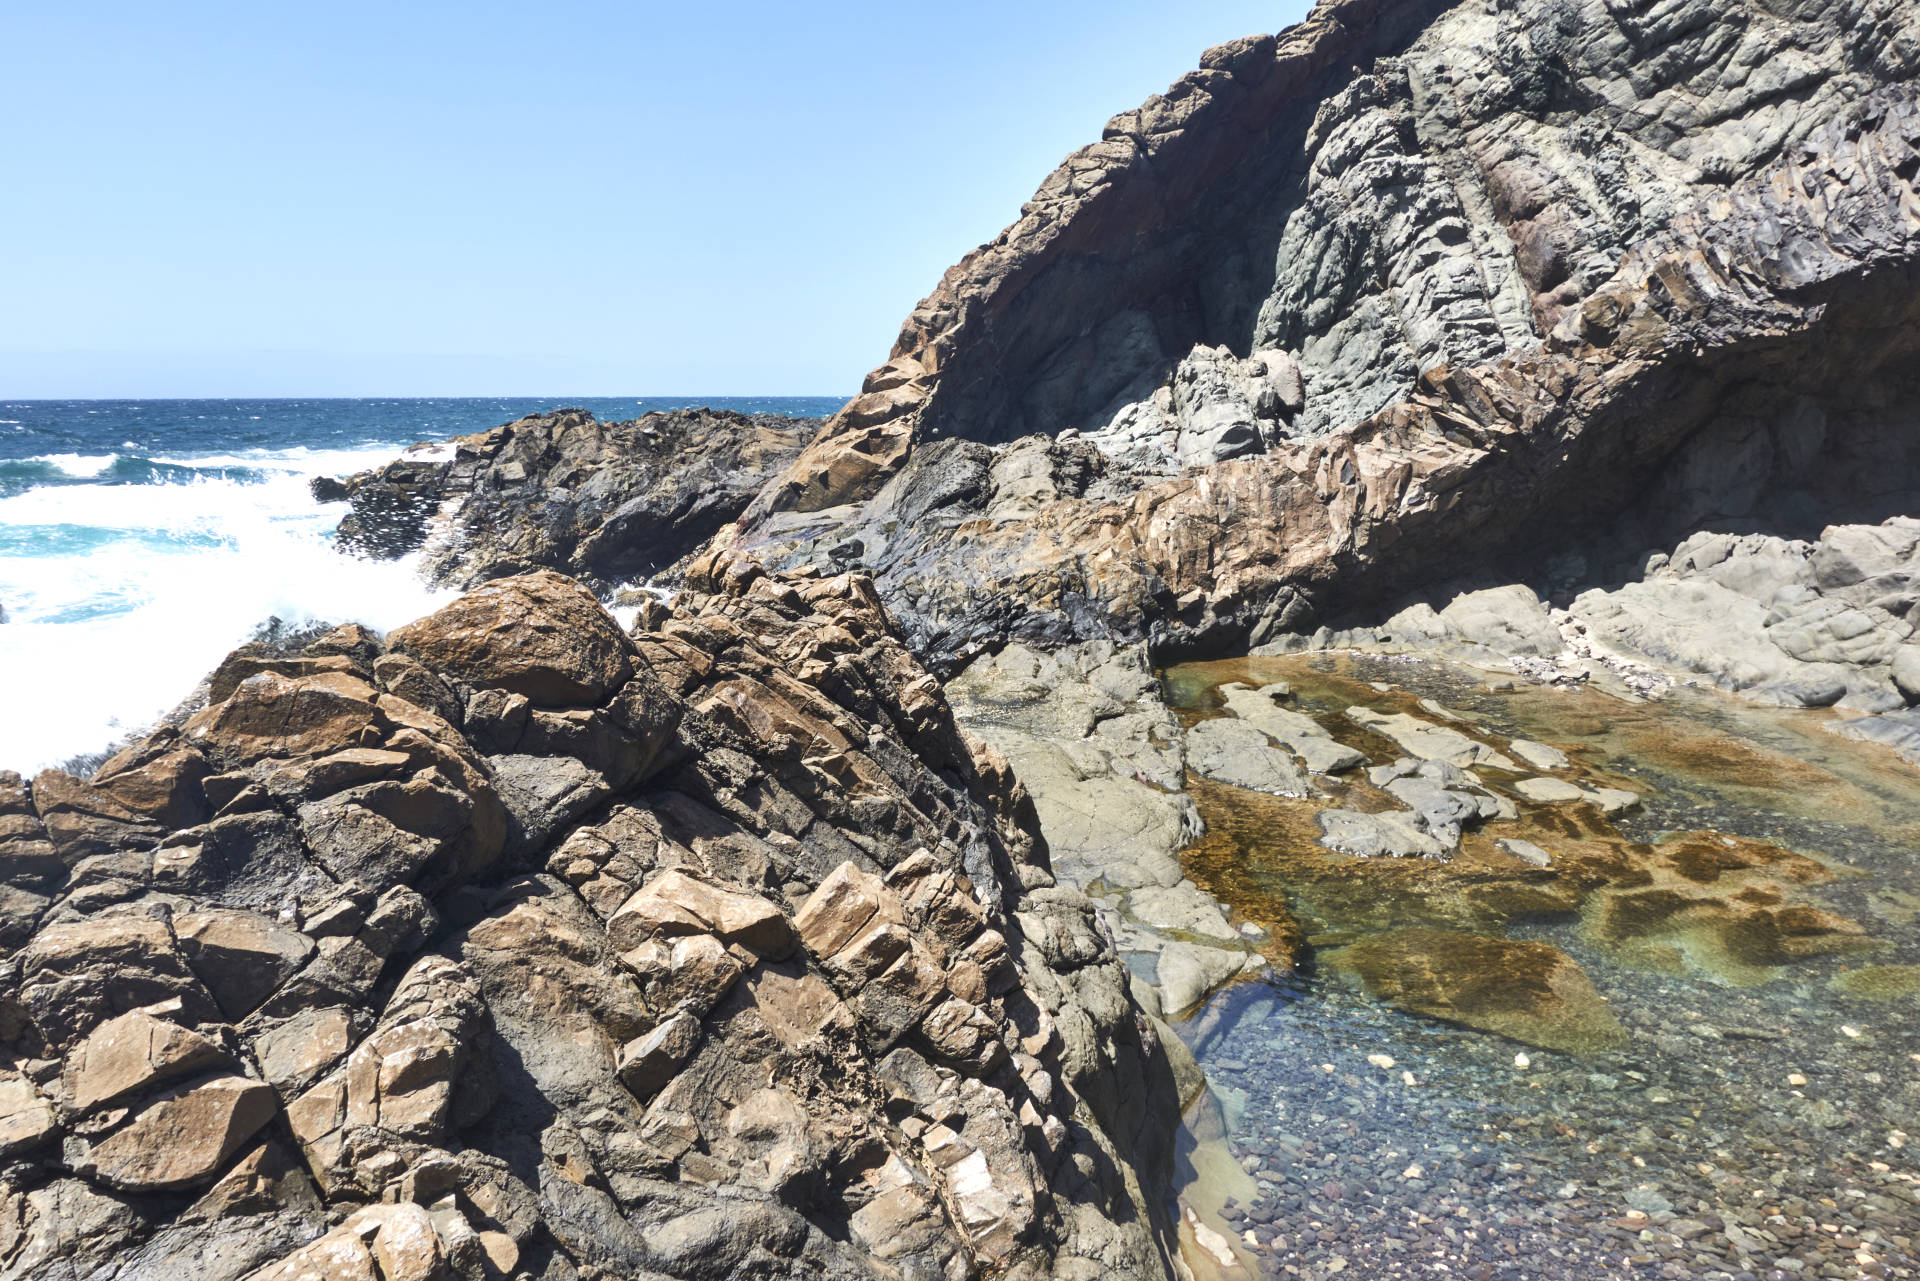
(1428, 277)
(521, 946)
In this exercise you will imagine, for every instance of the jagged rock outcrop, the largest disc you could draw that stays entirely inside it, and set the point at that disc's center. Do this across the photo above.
(606, 502)
(1411, 285)
(519, 946)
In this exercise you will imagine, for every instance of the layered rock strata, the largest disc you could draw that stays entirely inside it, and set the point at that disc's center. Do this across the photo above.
(1410, 284)
(515, 945)
(605, 502)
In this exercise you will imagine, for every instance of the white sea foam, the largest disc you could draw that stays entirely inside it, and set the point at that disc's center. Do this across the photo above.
(105, 638)
(82, 466)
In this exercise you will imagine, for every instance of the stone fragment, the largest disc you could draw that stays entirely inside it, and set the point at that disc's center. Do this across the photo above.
(1538, 755)
(292, 1053)
(130, 1054)
(1390, 835)
(186, 1138)
(842, 908)
(242, 957)
(648, 1063)
(1427, 741)
(26, 1119)
(677, 903)
(1526, 852)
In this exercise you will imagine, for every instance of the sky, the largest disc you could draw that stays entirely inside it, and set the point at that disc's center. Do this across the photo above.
(579, 196)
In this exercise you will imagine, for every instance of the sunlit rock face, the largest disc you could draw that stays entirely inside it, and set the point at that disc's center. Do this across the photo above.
(1407, 286)
(516, 944)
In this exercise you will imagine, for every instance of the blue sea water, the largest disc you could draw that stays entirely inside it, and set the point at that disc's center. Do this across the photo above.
(140, 540)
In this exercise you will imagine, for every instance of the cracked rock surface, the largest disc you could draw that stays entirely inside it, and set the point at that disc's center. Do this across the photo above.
(515, 945)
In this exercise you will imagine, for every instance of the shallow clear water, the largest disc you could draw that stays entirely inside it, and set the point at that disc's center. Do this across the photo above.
(1757, 1121)
(140, 540)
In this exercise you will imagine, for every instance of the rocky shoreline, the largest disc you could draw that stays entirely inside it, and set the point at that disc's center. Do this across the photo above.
(518, 945)
(1214, 764)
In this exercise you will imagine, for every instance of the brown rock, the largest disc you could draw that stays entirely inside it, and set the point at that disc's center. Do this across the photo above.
(291, 1054)
(841, 909)
(539, 635)
(130, 1054)
(184, 1139)
(1532, 992)
(406, 1246)
(340, 1255)
(161, 783)
(240, 665)
(82, 821)
(274, 716)
(677, 904)
(75, 976)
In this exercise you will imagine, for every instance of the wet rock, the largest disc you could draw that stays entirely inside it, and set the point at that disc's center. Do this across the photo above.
(1237, 752)
(1427, 741)
(1526, 852)
(1295, 731)
(1531, 992)
(1388, 835)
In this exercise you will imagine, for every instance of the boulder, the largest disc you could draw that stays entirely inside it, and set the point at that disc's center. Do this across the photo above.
(539, 635)
(270, 716)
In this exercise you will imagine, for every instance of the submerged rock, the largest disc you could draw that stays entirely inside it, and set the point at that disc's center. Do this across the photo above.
(1530, 992)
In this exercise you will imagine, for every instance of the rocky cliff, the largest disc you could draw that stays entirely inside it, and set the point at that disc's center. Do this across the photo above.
(519, 946)
(1411, 287)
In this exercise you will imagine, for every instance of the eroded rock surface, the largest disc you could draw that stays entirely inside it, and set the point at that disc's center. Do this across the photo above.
(522, 946)
(606, 502)
(1410, 282)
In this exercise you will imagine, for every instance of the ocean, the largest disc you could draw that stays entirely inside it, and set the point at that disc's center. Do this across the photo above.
(142, 540)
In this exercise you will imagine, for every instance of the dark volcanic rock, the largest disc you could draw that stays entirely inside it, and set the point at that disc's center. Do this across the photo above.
(604, 501)
(716, 949)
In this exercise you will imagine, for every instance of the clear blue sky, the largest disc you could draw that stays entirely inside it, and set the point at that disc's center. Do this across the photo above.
(577, 196)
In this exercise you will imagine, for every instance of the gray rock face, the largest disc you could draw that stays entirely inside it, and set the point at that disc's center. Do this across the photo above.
(1486, 254)
(1235, 751)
